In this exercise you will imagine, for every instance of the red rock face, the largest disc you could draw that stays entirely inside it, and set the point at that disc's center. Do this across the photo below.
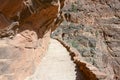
(28, 23)
(91, 26)
(33, 15)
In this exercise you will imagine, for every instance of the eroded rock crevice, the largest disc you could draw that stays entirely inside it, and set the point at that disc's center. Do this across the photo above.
(25, 28)
(90, 26)
(31, 15)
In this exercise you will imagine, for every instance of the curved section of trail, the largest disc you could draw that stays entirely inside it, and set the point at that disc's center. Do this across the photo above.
(56, 64)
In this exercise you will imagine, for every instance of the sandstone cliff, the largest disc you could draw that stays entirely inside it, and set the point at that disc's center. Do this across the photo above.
(25, 27)
(93, 28)
(90, 26)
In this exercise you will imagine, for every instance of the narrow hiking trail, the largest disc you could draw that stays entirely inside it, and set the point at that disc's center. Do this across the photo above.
(56, 64)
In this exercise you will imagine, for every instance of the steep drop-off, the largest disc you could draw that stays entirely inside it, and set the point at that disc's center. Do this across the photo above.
(93, 28)
(90, 26)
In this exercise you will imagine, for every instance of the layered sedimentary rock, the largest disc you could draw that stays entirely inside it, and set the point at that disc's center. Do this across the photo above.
(25, 27)
(93, 28)
(90, 26)
(34, 15)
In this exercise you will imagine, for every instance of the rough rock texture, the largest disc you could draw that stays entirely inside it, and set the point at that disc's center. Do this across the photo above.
(87, 70)
(90, 26)
(93, 28)
(25, 27)
(20, 56)
(37, 15)
(56, 55)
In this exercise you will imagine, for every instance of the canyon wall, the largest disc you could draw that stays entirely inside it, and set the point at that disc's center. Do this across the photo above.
(25, 28)
(90, 26)
(93, 28)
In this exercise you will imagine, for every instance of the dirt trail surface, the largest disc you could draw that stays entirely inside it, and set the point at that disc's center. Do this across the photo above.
(56, 64)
